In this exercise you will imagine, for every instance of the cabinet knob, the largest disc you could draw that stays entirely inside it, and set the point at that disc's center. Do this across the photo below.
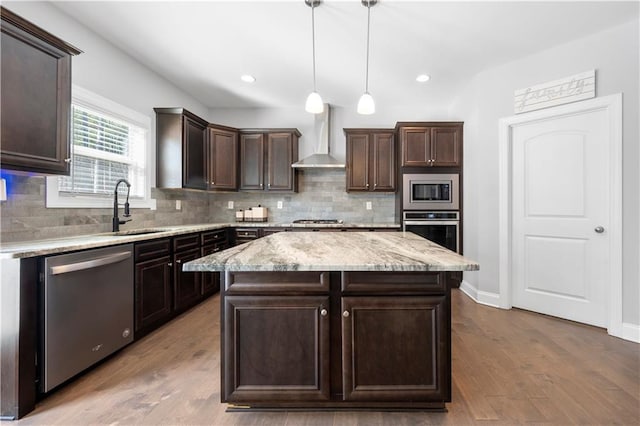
(67, 160)
(178, 261)
(367, 185)
(213, 183)
(345, 314)
(170, 264)
(323, 312)
(375, 185)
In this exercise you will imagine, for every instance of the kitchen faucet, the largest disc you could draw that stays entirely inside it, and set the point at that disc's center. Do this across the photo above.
(116, 220)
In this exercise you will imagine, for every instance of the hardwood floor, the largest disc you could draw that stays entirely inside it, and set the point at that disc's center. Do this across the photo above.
(509, 367)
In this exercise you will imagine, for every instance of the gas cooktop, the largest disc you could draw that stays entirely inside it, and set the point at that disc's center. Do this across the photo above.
(318, 221)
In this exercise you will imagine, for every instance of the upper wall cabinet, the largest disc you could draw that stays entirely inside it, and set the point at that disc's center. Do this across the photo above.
(36, 97)
(181, 149)
(371, 160)
(266, 157)
(222, 158)
(431, 144)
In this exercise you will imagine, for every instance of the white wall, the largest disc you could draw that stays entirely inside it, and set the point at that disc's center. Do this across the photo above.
(614, 54)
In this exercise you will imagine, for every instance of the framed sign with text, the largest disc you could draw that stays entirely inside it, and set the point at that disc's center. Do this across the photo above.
(557, 92)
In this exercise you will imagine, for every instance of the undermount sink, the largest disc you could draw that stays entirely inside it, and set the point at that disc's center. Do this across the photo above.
(137, 232)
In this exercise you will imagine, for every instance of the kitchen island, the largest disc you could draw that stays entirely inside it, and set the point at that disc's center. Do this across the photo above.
(355, 320)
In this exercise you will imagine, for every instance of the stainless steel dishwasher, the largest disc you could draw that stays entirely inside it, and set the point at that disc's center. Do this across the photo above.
(88, 310)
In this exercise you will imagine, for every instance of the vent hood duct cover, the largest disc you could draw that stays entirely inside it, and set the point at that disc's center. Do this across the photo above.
(321, 157)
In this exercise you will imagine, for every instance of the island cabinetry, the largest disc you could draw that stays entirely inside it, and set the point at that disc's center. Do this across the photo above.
(388, 332)
(371, 160)
(222, 155)
(153, 284)
(266, 157)
(276, 337)
(181, 149)
(212, 242)
(431, 144)
(36, 97)
(186, 285)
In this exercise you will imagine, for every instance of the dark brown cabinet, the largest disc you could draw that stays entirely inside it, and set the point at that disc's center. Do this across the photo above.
(212, 242)
(371, 160)
(222, 158)
(436, 145)
(351, 339)
(186, 285)
(378, 364)
(294, 369)
(266, 157)
(153, 284)
(180, 149)
(36, 97)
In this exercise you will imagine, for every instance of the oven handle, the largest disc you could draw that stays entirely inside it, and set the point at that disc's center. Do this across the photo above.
(431, 222)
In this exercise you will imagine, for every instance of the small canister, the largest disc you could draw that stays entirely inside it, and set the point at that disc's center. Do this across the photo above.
(239, 216)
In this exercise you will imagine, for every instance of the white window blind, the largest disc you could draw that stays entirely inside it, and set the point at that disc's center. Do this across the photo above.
(105, 149)
(108, 142)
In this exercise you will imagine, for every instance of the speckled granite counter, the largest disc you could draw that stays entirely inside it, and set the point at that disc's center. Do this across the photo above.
(335, 251)
(82, 242)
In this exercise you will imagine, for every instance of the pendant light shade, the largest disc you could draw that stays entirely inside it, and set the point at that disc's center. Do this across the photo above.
(314, 102)
(366, 105)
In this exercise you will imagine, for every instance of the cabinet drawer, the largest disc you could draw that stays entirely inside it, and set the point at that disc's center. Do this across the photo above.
(186, 242)
(152, 250)
(247, 234)
(213, 237)
(394, 282)
(276, 282)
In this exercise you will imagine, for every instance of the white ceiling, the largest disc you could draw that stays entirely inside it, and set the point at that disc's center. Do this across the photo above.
(204, 47)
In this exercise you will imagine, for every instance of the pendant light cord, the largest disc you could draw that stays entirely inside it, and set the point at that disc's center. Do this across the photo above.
(366, 88)
(313, 42)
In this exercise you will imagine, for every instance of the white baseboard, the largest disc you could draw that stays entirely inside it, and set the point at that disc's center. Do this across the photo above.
(482, 297)
(630, 332)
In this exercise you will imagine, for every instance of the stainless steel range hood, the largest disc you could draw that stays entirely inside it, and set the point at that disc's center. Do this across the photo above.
(321, 156)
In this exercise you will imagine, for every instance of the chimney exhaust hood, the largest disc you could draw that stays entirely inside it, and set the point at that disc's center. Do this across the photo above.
(321, 158)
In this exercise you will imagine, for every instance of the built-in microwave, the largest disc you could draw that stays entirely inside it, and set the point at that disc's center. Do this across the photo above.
(430, 191)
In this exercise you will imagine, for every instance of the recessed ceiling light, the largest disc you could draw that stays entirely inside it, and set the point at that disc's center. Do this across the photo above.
(248, 78)
(422, 78)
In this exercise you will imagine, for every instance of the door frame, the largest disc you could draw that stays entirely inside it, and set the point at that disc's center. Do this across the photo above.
(612, 105)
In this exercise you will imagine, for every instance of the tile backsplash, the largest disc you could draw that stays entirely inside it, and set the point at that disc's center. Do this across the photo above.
(321, 195)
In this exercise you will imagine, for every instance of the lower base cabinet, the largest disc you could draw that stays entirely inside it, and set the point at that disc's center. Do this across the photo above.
(347, 339)
(153, 283)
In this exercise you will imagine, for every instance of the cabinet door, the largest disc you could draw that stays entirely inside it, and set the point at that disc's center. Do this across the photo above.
(416, 146)
(295, 368)
(223, 159)
(194, 168)
(210, 280)
(358, 162)
(251, 161)
(445, 146)
(279, 159)
(383, 162)
(186, 285)
(395, 349)
(152, 292)
(35, 103)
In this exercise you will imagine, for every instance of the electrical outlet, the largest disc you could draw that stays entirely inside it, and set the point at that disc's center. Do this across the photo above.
(178, 204)
(279, 204)
(369, 206)
(230, 205)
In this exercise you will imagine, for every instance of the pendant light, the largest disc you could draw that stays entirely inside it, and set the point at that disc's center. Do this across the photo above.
(314, 102)
(366, 105)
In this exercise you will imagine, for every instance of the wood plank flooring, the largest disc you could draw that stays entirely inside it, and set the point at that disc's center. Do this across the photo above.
(509, 367)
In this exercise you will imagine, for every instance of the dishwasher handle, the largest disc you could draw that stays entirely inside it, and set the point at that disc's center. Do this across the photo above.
(89, 264)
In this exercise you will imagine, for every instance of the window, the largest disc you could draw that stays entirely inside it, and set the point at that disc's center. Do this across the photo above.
(108, 142)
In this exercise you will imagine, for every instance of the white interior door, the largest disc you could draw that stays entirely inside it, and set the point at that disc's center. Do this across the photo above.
(560, 216)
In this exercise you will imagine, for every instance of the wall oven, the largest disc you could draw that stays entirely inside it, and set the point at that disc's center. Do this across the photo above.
(423, 191)
(441, 227)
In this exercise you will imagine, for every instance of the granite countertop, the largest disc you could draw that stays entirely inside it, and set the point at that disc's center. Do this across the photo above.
(83, 242)
(335, 251)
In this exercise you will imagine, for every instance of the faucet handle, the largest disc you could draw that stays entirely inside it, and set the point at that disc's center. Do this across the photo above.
(127, 213)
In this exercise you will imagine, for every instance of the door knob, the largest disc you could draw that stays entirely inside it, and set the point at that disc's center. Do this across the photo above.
(599, 229)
